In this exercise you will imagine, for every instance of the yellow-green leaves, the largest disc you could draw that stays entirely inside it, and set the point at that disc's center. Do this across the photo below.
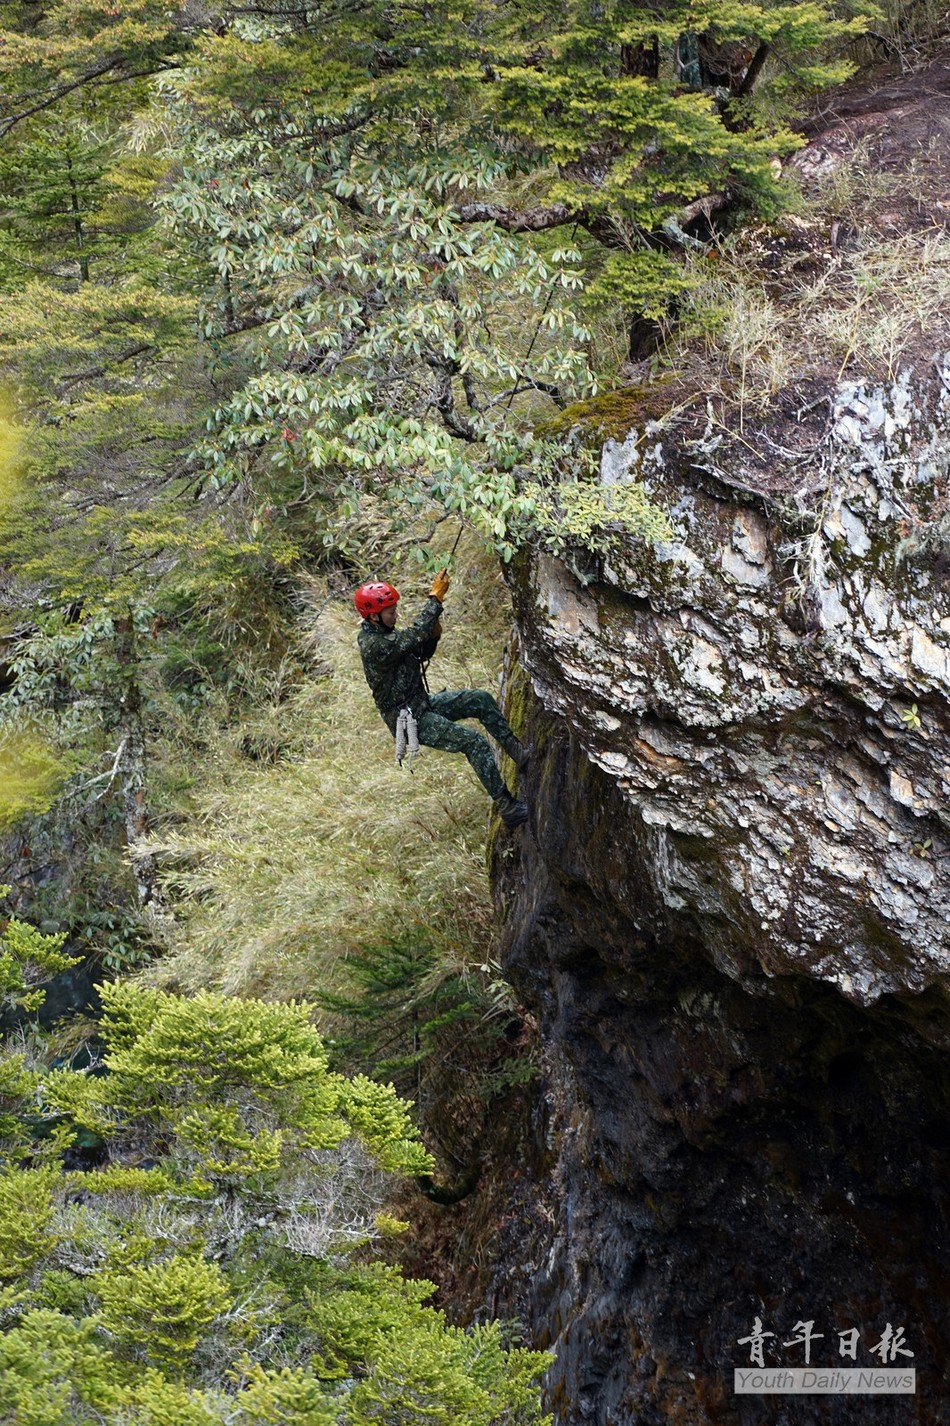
(235, 1090)
(204, 1276)
(31, 774)
(12, 442)
(163, 1308)
(447, 1377)
(290, 1397)
(27, 1211)
(27, 958)
(54, 1371)
(381, 1119)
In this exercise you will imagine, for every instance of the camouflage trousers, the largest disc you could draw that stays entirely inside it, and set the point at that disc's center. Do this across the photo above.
(439, 728)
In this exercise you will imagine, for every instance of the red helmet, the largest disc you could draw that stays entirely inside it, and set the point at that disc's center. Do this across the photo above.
(371, 598)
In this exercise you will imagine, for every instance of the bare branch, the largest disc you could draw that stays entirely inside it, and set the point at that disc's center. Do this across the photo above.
(95, 78)
(528, 384)
(701, 208)
(444, 399)
(72, 377)
(514, 220)
(754, 70)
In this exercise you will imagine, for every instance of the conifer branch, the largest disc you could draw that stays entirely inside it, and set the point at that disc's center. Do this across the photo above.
(94, 78)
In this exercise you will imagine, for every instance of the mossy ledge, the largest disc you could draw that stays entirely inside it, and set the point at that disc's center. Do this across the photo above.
(612, 415)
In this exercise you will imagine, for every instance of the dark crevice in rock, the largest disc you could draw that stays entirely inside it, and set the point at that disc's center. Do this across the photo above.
(717, 1150)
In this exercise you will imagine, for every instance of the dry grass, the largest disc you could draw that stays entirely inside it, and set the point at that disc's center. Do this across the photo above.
(752, 327)
(877, 305)
(316, 843)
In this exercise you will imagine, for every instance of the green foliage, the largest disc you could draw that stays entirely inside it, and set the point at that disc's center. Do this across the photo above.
(644, 282)
(407, 1010)
(364, 293)
(411, 380)
(161, 1297)
(448, 1377)
(52, 50)
(52, 1368)
(396, 1003)
(164, 1308)
(19, 1099)
(27, 1211)
(48, 186)
(290, 1397)
(360, 1309)
(26, 957)
(12, 439)
(336, 195)
(565, 506)
(240, 1087)
(31, 774)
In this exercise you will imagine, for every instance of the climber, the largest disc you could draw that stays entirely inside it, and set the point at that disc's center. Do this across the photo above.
(394, 667)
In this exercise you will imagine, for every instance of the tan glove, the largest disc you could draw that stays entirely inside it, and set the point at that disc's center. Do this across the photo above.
(440, 586)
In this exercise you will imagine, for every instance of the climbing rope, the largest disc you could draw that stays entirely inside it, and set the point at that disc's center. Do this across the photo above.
(539, 325)
(424, 663)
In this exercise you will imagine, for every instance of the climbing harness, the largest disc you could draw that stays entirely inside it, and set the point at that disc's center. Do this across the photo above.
(407, 737)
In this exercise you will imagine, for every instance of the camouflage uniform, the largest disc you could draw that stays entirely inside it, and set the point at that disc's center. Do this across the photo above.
(392, 662)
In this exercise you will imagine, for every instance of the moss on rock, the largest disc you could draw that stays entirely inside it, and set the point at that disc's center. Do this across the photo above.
(614, 414)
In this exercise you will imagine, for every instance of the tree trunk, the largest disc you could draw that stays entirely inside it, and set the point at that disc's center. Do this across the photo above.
(133, 762)
(77, 223)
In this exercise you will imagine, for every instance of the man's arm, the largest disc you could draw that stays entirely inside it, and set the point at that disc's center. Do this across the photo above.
(395, 645)
(427, 650)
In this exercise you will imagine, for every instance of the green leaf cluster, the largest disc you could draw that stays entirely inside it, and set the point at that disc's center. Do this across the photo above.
(203, 1273)
(27, 957)
(241, 1088)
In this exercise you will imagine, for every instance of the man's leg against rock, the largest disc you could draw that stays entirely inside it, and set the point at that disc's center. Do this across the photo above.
(435, 731)
(476, 703)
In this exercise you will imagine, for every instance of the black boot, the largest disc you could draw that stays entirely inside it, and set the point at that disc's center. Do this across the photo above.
(519, 754)
(510, 810)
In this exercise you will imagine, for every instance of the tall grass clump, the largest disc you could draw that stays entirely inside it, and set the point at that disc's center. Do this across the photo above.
(822, 293)
(304, 841)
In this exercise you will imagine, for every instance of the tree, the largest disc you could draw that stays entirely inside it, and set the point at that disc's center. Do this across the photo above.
(367, 253)
(27, 958)
(203, 1272)
(53, 51)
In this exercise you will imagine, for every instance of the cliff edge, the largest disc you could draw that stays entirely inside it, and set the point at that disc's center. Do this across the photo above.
(732, 912)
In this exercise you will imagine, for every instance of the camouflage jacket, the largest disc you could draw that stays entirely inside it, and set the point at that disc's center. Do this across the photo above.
(392, 660)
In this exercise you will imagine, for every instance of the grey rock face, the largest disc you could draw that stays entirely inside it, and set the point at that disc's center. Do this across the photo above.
(751, 689)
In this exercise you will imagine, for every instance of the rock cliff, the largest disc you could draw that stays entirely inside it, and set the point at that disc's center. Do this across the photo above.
(732, 911)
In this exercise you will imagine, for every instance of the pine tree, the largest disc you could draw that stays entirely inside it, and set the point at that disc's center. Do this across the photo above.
(205, 1271)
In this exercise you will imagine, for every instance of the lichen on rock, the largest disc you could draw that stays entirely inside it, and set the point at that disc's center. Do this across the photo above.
(773, 650)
